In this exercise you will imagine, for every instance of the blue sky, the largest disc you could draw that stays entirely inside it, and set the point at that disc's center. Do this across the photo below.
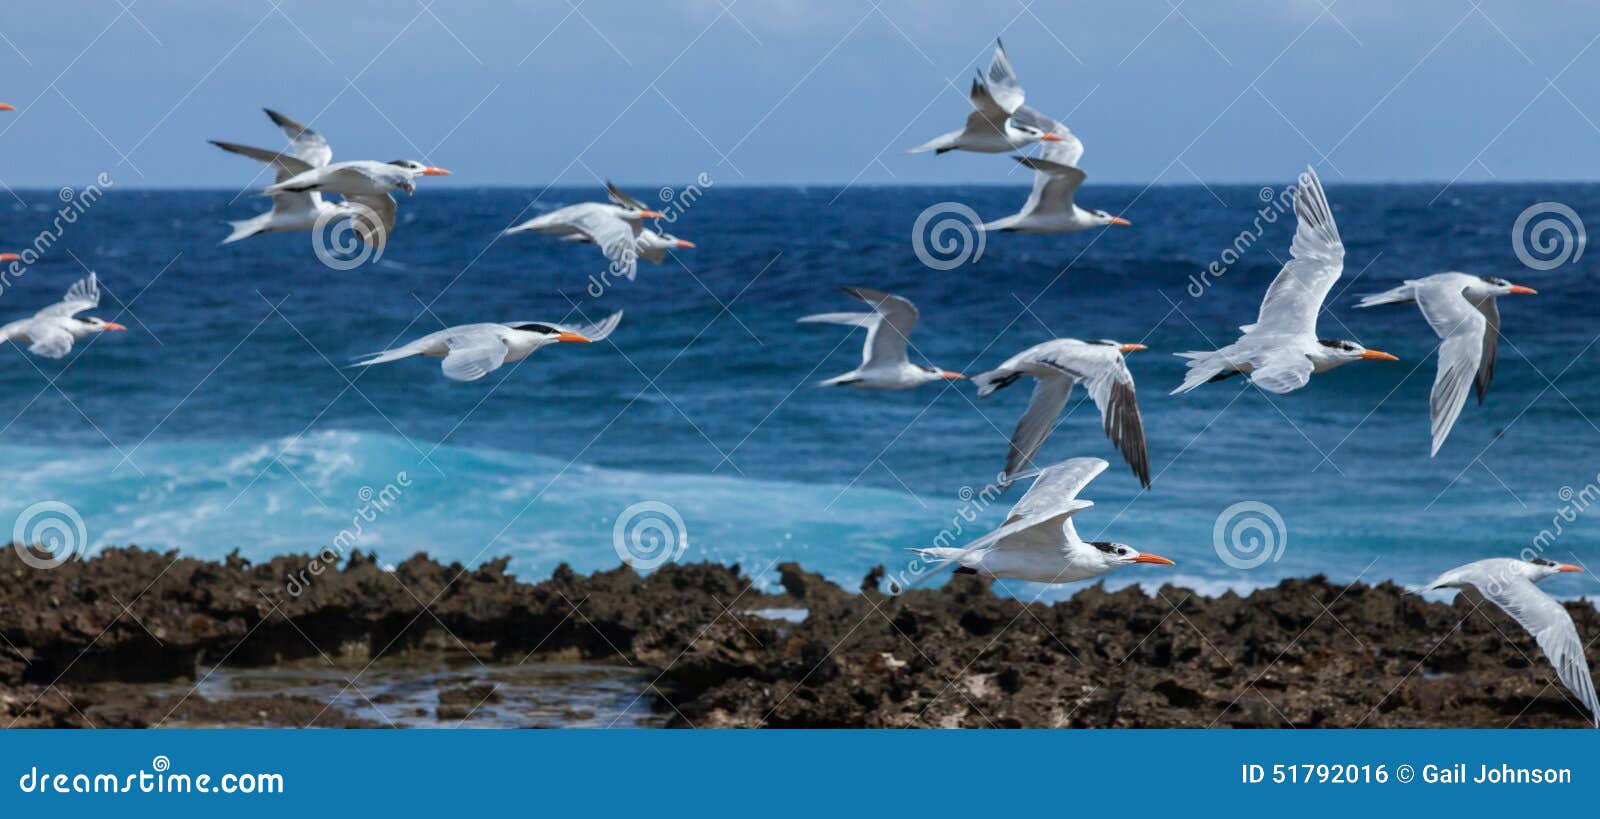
(785, 91)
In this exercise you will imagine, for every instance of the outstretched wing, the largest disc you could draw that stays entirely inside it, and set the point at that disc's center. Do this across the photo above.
(1462, 326)
(1295, 297)
(1002, 82)
(987, 114)
(887, 338)
(1111, 386)
(1056, 489)
(84, 294)
(474, 353)
(1281, 371)
(596, 331)
(49, 340)
(1049, 397)
(623, 199)
(374, 218)
(1552, 628)
(1054, 185)
(287, 164)
(1490, 309)
(308, 144)
(617, 237)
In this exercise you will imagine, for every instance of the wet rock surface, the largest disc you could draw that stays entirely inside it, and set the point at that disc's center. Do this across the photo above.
(131, 637)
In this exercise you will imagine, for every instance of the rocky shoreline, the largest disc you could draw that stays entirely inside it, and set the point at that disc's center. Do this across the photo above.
(131, 638)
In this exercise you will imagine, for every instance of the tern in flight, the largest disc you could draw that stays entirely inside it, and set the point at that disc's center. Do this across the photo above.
(884, 365)
(999, 121)
(472, 351)
(652, 246)
(1037, 541)
(615, 227)
(1461, 310)
(1051, 207)
(367, 186)
(1509, 584)
(1057, 366)
(290, 211)
(51, 331)
(1281, 350)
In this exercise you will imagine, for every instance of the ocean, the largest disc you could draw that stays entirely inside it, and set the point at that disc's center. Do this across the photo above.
(223, 420)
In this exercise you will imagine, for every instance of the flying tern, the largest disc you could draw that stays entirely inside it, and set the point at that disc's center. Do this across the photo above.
(1057, 366)
(1281, 350)
(1052, 206)
(1037, 541)
(615, 227)
(367, 186)
(999, 121)
(884, 365)
(51, 331)
(291, 211)
(472, 351)
(1509, 584)
(1462, 311)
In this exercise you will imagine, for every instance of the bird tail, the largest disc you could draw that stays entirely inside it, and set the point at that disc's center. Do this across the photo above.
(994, 380)
(940, 143)
(1003, 223)
(847, 378)
(384, 356)
(1203, 366)
(245, 228)
(1399, 295)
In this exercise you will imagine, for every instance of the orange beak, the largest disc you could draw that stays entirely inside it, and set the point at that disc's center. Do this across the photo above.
(651, 214)
(5, 107)
(1378, 355)
(1050, 138)
(1132, 348)
(685, 243)
(949, 375)
(435, 172)
(1120, 222)
(111, 325)
(574, 337)
(1156, 559)
(1568, 567)
(1523, 291)
(9, 257)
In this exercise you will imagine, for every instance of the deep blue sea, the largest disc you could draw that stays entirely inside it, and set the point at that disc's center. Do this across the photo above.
(222, 420)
